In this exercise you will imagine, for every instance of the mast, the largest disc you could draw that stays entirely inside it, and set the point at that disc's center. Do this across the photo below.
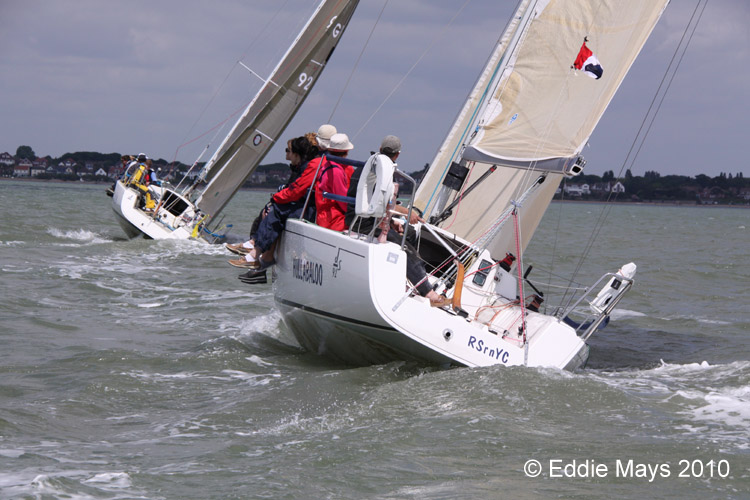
(535, 113)
(275, 104)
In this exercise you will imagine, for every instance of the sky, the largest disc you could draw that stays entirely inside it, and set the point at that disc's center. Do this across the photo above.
(159, 76)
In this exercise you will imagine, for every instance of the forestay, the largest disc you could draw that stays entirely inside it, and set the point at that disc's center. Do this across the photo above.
(530, 113)
(266, 117)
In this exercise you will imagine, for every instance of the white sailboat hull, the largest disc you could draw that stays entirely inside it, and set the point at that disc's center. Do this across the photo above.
(257, 130)
(136, 222)
(344, 298)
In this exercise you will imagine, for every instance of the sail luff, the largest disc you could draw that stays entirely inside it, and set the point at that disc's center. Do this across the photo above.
(463, 125)
(275, 104)
(546, 109)
(240, 126)
(540, 113)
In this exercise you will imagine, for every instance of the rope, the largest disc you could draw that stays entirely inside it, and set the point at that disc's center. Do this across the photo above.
(519, 266)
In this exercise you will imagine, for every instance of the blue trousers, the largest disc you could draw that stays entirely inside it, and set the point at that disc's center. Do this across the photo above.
(270, 228)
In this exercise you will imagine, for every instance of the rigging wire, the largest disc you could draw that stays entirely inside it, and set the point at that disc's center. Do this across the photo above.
(498, 89)
(356, 64)
(406, 75)
(558, 225)
(476, 109)
(223, 83)
(649, 119)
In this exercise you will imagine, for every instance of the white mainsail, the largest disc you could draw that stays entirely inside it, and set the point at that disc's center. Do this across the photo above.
(531, 114)
(266, 117)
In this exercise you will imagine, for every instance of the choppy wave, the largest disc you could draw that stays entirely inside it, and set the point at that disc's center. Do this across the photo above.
(14, 243)
(75, 485)
(138, 368)
(618, 314)
(82, 235)
(715, 398)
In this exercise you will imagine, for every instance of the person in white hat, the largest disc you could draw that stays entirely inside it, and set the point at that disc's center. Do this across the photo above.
(333, 178)
(340, 143)
(323, 136)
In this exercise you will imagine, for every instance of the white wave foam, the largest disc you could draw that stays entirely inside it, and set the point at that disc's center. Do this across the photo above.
(151, 305)
(45, 485)
(78, 235)
(258, 361)
(113, 484)
(710, 395)
(11, 453)
(161, 376)
(111, 480)
(708, 321)
(625, 313)
(264, 323)
(118, 418)
(256, 378)
(18, 270)
(697, 319)
(268, 325)
(730, 405)
(180, 248)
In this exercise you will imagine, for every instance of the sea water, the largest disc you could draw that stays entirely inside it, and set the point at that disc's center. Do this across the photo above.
(146, 369)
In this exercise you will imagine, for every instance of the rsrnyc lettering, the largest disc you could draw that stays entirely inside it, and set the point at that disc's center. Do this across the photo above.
(479, 345)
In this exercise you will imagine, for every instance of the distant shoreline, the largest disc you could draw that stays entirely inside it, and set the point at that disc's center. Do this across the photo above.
(686, 204)
(665, 203)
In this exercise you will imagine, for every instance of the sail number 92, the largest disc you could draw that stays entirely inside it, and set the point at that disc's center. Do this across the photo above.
(305, 81)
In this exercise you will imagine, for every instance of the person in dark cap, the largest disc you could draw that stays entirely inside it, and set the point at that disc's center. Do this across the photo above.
(378, 204)
(391, 145)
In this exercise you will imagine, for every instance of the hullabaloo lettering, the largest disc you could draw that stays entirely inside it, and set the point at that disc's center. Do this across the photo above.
(307, 271)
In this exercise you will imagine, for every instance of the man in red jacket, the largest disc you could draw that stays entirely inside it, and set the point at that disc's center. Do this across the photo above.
(289, 202)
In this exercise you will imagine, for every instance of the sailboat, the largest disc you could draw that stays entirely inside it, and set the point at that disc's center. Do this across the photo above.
(546, 84)
(192, 212)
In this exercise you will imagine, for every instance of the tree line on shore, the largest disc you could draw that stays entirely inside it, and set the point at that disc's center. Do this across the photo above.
(724, 188)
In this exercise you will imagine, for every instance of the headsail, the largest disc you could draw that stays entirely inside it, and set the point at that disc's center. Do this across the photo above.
(531, 113)
(274, 105)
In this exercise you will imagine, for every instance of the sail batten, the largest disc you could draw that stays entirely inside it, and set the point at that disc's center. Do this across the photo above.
(537, 111)
(273, 107)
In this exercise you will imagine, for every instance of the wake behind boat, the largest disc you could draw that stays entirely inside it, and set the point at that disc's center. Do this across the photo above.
(520, 132)
(192, 211)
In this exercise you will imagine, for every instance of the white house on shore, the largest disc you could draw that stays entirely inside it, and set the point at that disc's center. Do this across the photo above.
(577, 190)
(7, 159)
(22, 170)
